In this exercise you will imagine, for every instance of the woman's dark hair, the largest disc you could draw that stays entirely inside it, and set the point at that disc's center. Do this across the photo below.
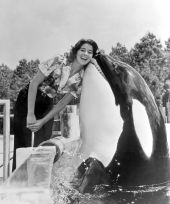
(77, 46)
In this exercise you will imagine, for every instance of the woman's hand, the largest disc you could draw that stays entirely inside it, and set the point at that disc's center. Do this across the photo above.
(34, 127)
(31, 119)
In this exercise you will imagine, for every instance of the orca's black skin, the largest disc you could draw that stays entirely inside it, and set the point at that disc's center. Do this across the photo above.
(129, 165)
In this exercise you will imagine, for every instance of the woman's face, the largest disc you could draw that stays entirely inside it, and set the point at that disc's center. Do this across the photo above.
(84, 54)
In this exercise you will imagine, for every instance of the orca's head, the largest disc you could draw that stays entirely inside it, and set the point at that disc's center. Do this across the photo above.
(134, 97)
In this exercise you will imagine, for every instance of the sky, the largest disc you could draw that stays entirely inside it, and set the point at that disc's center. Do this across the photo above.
(40, 29)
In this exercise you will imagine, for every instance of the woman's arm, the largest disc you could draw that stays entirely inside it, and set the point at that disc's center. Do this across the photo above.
(32, 92)
(55, 110)
(58, 107)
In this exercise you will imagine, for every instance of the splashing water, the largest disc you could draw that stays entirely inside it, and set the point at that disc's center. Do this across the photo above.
(63, 173)
(63, 192)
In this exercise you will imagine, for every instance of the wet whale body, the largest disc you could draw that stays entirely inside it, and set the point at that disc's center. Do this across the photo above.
(130, 164)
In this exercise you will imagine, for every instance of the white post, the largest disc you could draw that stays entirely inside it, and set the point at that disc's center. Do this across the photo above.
(6, 138)
(70, 122)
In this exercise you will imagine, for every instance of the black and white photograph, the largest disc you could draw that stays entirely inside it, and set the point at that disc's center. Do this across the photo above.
(84, 102)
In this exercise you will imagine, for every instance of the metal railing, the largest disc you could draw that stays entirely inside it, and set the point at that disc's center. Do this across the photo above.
(6, 138)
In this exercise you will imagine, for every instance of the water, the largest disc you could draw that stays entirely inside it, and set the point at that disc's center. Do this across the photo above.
(63, 173)
(62, 191)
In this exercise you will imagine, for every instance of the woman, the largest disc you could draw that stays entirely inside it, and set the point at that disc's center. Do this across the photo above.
(67, 77)
(34, 109)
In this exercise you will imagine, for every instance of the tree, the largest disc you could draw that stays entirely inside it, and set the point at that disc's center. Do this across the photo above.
(23, 73)
(167, 57)
(120, 52)
(5, 78)
(167, 43)
(148, 59)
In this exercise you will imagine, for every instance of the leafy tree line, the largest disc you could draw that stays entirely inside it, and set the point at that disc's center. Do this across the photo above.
(147, 57)
(23, 73)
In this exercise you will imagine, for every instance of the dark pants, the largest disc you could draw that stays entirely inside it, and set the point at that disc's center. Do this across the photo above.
(22, 135)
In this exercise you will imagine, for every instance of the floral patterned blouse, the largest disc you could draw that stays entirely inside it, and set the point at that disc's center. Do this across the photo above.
(58, 80)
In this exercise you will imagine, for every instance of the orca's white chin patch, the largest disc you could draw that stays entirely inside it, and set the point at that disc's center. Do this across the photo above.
(142, 127)
(100, 120)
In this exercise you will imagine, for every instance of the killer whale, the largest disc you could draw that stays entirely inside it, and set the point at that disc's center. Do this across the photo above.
(129, 165)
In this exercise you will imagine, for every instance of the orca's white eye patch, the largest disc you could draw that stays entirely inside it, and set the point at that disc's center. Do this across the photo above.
(142, 127)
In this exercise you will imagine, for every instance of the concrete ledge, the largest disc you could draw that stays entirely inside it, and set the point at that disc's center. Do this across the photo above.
(25, 196)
